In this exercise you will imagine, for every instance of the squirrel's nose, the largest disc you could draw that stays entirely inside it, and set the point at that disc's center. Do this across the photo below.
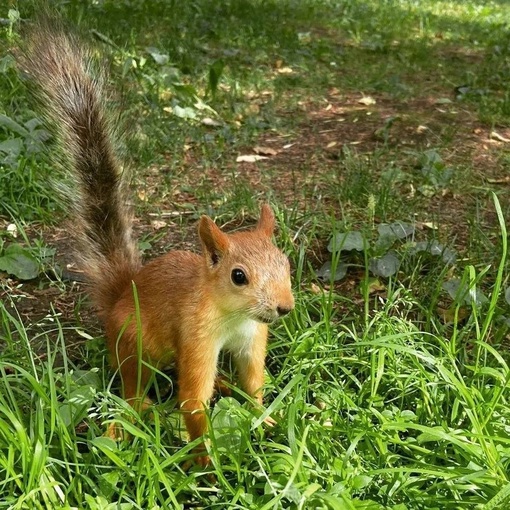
(282, 310)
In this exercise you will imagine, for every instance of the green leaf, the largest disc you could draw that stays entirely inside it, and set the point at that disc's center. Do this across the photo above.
(184, 113)
(347, 241)
(19, 262)
(386, 265)
(324, 273)
(507, 295)
(398, 229)
(435, 249)
(361, 481)
(11, 147)
(389, 233)
(75, 409)
(12, 125)
(160, 58)
(461, 293)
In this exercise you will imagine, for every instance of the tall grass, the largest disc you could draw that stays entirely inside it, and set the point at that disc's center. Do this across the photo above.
(372, 415)
(380, 401)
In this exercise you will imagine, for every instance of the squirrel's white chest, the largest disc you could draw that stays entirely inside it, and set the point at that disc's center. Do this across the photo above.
(237, 335)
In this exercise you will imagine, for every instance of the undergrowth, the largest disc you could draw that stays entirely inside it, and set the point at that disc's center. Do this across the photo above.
(389, 382)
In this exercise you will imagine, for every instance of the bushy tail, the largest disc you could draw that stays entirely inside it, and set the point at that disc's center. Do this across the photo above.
(74, 99)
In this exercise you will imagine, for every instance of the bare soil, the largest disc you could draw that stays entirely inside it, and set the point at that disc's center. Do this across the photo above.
(297, 169)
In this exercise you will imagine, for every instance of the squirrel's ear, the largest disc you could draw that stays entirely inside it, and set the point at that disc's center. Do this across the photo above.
(214, 241)
(266, 221)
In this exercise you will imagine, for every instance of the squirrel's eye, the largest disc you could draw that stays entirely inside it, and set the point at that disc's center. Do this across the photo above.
(239, 277)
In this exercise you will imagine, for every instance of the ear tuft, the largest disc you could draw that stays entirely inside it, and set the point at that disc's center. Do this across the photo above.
(214, 241)
(266, 222)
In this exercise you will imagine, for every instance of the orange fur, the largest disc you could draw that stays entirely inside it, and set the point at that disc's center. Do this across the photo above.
(191, 309)
(190, 306)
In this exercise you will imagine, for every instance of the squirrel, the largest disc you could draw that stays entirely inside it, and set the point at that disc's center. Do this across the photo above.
(181, 305)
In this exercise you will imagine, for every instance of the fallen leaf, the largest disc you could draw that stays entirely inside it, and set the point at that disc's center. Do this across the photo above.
(12, 229)
(503, 180)
(252, 109)
(158, 224)
(207, 121)
(367, 100)
(288, 146)
(375, 285)
(285, 70)
(252, 158)
(427, 224)
(330, 144)
(315, 289)
(496, 136)
(421, 129)
(265, 151)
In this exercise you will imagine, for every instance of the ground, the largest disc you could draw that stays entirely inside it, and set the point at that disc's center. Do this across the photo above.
(301, 170)
(389, 388)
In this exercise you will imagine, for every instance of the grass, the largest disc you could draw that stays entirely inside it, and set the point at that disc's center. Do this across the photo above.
(388, 393)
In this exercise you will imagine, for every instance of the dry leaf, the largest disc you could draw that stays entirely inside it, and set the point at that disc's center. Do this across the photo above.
(265, 151)
(158, 224)
(421, 129)
(285, 70)
(503, 180)
(252, 158)
(315, 289)
(288, 146)
(376, 286)
(330, 144)
(207, 121)
(12, 229)
(427, 224)
(367, 100)
(448, 314)
(252, 109)
(495, 135)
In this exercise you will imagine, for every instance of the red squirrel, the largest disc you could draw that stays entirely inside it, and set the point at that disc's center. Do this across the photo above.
(188, 307)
